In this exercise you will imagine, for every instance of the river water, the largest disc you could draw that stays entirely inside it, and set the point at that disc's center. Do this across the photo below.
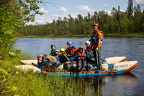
(131, 84)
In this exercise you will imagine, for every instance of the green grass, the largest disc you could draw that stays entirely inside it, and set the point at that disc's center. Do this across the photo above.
(15, 82)
(125, 35)
(88, 35)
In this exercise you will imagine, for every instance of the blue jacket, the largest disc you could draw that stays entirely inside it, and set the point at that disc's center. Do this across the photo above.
(52, 53)
(43, 62)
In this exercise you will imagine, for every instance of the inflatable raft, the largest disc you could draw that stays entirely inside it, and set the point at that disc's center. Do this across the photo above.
(115, 68)
(109, 60)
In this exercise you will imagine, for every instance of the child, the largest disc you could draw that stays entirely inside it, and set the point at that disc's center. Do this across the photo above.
(80, 58)
(53, 46)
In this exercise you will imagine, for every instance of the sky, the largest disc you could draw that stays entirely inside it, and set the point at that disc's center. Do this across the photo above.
(53, 9)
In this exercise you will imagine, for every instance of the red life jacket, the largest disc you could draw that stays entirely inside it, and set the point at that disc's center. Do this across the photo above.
(68, 50)
(74, 51)
(80, 55)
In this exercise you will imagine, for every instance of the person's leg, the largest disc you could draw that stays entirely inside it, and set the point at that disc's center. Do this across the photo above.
(79, 64)
(84, 63)
(96, 57)
(99, 58)
(57, 64)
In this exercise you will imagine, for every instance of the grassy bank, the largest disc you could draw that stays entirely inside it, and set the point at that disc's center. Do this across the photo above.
(19, 83)
(138, 35)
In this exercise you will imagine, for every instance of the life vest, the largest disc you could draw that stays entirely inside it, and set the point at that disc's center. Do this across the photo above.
(51, 59)
(74, 51)
(88, 49)
(94, 39)
(68, 50)
(80, 55)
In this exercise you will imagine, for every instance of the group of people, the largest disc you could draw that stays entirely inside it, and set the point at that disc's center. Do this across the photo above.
(82, 57)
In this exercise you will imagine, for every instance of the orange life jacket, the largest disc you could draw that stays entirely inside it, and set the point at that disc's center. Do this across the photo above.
(74, 51)
(52, 59)
(80, 55)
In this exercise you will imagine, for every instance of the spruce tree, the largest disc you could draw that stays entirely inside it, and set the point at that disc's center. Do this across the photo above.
(130, 8)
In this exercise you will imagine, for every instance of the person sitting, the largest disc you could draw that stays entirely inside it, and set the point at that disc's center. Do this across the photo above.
(74, 49)
(69, 48)
(63, 56)
(89, 53)
(41, 61)
(80, 58)
(53, 46)
(56, 53)
(48, 63)
(88, 47)
(52, 64)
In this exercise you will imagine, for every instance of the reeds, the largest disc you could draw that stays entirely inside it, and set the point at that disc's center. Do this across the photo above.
(14, 82)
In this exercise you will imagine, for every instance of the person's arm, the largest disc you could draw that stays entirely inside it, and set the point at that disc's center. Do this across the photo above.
(74, 57)
(99, 40)
(99, 36)
(85, 56)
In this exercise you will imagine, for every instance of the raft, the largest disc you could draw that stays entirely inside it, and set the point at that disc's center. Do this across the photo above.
(118, 68)
(109, 60)
(115, 68)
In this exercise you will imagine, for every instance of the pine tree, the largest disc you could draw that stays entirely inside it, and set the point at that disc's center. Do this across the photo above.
(130, 9)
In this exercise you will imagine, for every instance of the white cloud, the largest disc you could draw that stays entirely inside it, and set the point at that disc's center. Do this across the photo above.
(105, 5)
(55, 16)
(40, 19)
(65, 0)
(140, 2)
(62, 10)
(43, 10)
(109, 12)
(84, 8)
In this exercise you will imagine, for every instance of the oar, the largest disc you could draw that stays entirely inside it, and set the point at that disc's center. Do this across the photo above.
(66, 57)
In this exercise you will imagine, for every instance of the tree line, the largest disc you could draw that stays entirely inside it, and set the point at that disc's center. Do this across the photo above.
(15, 13)
(130, 21)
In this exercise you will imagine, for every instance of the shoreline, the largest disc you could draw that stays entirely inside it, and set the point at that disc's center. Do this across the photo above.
(113, 35)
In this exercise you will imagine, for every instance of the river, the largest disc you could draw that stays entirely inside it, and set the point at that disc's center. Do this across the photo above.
(131, 84)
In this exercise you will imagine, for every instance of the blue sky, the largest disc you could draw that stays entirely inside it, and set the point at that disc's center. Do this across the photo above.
(61, 8)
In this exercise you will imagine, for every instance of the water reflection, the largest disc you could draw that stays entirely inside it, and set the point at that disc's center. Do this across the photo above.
(97, 85)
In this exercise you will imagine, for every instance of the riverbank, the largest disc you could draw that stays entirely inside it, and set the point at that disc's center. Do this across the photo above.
(15, 82)
(117, 35)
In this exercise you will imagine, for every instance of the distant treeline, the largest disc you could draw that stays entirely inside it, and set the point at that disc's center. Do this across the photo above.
(130, 21)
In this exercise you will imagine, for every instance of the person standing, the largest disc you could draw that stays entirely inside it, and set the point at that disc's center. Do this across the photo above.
(96, 44)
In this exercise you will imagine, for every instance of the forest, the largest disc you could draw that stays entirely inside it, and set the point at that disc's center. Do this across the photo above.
(14, 14)
(130, 21)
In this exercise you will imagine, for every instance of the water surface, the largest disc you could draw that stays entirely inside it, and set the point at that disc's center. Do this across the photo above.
(131, 84)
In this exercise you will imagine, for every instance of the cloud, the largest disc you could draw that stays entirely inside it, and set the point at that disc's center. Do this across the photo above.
(40, 19)
(56, 16)
(66, 0)
(105, 5)
(84, 8)
(109, 12)
(43, 10)
(62, 10)
(140, 2)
